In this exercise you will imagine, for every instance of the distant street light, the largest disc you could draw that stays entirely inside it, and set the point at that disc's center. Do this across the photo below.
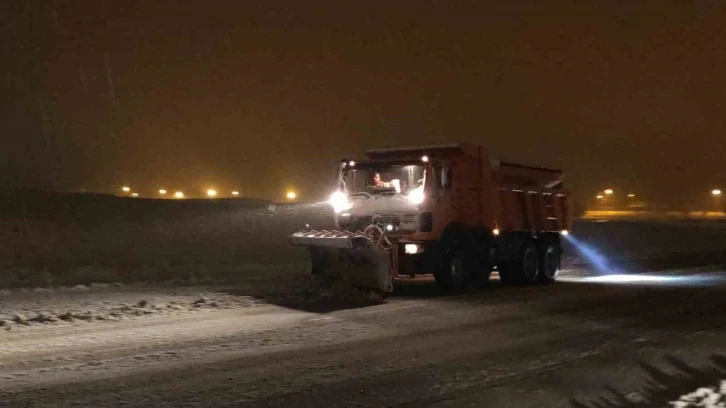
(631, 195)
(126, 189)
(134, 194)
(179, 194)
(609, 191)
(211, 192)
(600, 197)
(291, 195)
(235, 193)
(716, 192)
(162, 191)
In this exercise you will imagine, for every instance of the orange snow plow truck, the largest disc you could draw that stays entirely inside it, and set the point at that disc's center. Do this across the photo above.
(449, 210)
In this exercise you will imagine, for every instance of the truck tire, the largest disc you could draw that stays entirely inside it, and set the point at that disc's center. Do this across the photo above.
(548, 263)
(524, 269)
(507, 273)
(528, 264)
(456, 272)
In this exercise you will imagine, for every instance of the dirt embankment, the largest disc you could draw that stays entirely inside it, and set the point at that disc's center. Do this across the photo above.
(67, 239)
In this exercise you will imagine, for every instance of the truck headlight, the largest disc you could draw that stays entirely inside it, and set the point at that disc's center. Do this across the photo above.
(413, 249)
(416, 196)
(339, 201)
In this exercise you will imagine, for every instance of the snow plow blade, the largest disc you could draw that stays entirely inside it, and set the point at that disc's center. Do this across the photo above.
(361, 258)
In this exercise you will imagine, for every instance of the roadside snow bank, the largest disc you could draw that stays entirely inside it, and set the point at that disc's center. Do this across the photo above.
(24, 308)
(708, 397)
(300, 290)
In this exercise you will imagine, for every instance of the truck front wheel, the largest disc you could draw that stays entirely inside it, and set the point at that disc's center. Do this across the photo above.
(457, 271)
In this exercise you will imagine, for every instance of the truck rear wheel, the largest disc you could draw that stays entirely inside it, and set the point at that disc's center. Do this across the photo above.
(548, 264)
(524, 269)
(456, 272)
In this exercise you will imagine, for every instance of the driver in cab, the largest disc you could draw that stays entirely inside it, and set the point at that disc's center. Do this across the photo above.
(378, 183)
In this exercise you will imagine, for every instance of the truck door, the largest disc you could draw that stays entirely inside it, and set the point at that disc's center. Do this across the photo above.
(442, 196)
(466, 184)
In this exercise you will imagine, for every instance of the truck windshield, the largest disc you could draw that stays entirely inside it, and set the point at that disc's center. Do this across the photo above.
(385, 179)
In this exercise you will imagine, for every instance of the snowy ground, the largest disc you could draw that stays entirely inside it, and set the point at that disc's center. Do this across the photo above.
(227, 318)
(577, 343)
(707, 397)
(102, 302)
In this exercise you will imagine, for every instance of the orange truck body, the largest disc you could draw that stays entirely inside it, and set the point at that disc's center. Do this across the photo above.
(477, 215)
(486, 193)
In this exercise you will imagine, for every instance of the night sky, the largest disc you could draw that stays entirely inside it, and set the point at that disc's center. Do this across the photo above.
(264, 95)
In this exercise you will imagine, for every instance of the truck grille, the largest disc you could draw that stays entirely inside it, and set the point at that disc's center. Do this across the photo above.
(403, 222)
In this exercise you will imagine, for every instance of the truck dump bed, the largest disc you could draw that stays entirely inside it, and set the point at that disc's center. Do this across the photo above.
(514, 197)
(530, 198)
(507, 173)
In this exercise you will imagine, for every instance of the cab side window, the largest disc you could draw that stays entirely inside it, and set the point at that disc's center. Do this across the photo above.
(442, 175)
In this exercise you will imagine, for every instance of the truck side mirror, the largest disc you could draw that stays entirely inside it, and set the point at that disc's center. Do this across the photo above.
(340, 177)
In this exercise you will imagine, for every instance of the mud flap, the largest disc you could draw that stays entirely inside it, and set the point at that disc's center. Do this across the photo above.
(355, 258)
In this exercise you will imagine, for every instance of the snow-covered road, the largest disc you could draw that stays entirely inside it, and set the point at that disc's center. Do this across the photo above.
(569, 344)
